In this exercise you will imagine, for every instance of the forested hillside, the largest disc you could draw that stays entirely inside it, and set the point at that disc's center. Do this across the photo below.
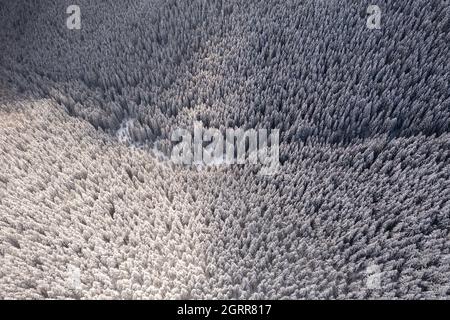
(86, 118)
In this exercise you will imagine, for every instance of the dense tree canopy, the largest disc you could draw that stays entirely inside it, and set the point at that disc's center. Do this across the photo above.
(86, 118)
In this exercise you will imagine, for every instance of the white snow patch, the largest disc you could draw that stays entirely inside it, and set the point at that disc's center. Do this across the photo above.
(123, 133)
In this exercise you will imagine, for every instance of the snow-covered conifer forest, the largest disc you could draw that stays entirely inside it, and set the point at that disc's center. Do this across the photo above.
(92, 208)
